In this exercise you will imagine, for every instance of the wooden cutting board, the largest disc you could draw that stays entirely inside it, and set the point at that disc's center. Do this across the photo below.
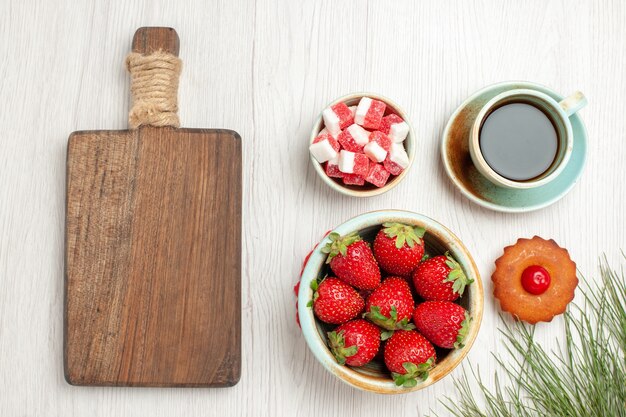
(153, 253)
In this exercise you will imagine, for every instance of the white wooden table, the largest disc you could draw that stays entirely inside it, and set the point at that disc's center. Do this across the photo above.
(265, 68)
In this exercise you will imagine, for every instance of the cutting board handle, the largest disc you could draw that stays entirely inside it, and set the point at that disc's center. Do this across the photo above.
(151, 39)
(154, 67)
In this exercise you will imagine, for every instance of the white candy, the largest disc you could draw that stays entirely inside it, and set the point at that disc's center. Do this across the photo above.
(346, 162)
(375, 152)
(331, 120)
(352, 110)
(398, 155)
(327, 132)
(360, 135)
(361, 110)
(398, 132)
(322, 151)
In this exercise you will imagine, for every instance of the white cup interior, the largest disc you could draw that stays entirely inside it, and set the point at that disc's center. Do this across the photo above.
(552, 110)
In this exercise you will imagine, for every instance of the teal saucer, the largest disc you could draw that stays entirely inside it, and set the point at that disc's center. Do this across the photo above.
(460, 168)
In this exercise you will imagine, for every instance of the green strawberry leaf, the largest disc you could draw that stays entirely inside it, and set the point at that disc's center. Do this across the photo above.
(398, 379)
(404, 234)
(410, 383)
(338, 245)
(425, 257)
(409, 367)
(314, 286)
(393, 313)
(309, 304)
(405, 325)
(463, 332)
(388, 323)
(386, 335)
(413, 373)
(374, 315)
(456, 275)
(337, 347)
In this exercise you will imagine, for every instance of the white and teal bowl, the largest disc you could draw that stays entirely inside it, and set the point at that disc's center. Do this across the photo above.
(367, 190)
(374, 377)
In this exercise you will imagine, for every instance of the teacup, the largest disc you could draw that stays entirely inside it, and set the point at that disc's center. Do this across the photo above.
(523, 138)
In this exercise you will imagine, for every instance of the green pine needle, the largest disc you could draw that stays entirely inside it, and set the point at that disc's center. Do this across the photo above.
(586, 377)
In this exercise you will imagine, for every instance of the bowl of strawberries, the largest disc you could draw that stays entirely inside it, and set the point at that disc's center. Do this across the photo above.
(390, 301)
(362, 144)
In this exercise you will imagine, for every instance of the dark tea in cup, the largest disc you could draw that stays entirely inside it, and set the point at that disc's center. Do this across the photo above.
(523, 138)
(519, 141)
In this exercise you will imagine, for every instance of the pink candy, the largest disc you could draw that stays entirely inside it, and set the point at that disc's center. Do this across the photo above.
(382, 139)
(326, 136)
(369, 113)
(324, 148)
(353, 179)
(337, 117)
(346, 140)
(353, 163)
(378, 146)
(346, 118)
(332, 169)
(361, 164)
(353, 138)
(397, 159)
(392, 167)
(377, 175)
(387, 121)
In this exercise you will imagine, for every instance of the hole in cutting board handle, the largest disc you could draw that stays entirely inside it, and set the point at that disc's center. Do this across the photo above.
(150, 39)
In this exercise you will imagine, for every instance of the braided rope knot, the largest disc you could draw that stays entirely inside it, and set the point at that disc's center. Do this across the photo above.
(154, 89)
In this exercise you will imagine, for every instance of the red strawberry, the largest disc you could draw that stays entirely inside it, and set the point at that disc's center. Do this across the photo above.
(440, 278)
(409, 357)
(355, 343)
(334, 301)
(351, 259)
(391, 306)
(398, 248)
(444, 323)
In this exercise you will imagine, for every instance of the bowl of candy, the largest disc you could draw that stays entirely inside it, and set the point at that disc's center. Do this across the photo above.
(390, 302)
(362, 144)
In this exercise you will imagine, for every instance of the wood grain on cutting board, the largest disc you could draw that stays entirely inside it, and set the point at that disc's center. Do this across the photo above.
(153, 245)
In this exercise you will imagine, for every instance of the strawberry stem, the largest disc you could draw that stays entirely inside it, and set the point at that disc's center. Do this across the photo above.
(404, 234)
(456, 275)
(390, 323)
(463, 331)
(412, 374)
(338, 245)
(337, 346)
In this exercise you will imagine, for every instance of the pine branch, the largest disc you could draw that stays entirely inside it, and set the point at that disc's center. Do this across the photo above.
(585, 377)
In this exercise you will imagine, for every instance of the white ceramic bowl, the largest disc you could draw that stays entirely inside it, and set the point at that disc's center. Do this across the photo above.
(374, 377)
(367, 190)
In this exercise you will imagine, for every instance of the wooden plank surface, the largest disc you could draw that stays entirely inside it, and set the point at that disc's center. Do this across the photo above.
(266, 69)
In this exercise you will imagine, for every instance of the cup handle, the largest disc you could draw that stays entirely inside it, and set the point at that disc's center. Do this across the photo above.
(573, 103)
